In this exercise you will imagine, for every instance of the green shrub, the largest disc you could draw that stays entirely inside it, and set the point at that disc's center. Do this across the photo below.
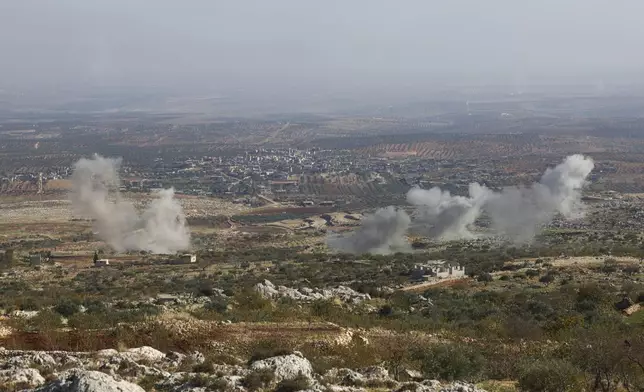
(486, 277)
(258, 379)
(45, 320)
(300, 383)
(551, 375)
(218, 305)
(532, 273)
(386, 310)
(67, 308)
(205, 367)
(452, 362)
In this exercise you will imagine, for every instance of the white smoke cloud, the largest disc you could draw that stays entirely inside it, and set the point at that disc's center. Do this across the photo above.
(442, 216)
(160, 228)
(519, 212)
(516, 213)
(383, 232)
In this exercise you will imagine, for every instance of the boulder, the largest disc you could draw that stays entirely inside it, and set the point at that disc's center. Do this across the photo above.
(144, 353)
(416, 387)
(196, 357)
(175, 358)
(285, 367)
(346, 377)
(77, 380)
(267, 289)
(28, 359)
(376, 374)
(338, 388)
(107, 353)
(70, 361)
(432, 383)
(25, 376)
(458, 386)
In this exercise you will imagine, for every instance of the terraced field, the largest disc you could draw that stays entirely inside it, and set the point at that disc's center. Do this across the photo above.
(368, 194)
(496, 145)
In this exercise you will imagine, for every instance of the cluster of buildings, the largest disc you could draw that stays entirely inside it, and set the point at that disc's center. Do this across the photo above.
(287, 172)
(436, 269)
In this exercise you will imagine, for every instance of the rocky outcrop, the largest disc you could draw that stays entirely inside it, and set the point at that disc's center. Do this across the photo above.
(435, 386)
(344, 377)
(145, 353)
(114, 371)
(23, 377)
(26, 360)
(345, 294)
(77, 380)
(285, 367)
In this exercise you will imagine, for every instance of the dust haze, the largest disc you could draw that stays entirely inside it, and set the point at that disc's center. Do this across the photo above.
(286, 51)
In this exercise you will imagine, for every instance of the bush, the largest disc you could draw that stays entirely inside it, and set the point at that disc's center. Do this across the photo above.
(258, 380)
(205, 289)
(452, 362)
(67, 308)
(267, 349)
(87, 321)
(205, 367)
(553, 375)
(486, 277)
(218, 305)
(531, 273)
(386, 310)
(300, 383)
(45, 320)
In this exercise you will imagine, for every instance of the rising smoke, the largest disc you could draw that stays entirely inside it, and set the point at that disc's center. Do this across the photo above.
(516, 213)
(383, 232)
(519, 212)
(160, 228)
(441, 216)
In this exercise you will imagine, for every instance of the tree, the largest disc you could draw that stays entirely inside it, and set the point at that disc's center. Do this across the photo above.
(552, 375)
(95, 257)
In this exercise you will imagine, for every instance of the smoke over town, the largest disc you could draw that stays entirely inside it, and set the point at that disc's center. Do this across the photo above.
(383, 232)
(160, 228)
(516, 213)
(441, 216)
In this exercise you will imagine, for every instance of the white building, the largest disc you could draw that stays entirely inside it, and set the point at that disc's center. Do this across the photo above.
(101, 262)
(437, 270)
(188, 258)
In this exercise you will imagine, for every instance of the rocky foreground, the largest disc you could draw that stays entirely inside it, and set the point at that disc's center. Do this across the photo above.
(145, 368)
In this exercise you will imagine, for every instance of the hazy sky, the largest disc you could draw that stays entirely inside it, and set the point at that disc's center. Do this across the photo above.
(330, 44)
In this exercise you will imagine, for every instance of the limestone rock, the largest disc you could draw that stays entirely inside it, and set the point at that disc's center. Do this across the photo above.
(76, 380)
(285, 367)
(345, 377)
(28, 377)
(144, 353)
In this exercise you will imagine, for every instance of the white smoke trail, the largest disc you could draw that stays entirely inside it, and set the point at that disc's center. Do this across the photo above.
(161, 228)
(383, 232)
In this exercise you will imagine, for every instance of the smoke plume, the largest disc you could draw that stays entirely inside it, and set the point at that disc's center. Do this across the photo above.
(383, 232)
(519, 212)
(516, 213)
(160, 228)
(441, 216)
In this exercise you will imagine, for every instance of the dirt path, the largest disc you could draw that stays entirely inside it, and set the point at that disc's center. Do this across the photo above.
(425, 285)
